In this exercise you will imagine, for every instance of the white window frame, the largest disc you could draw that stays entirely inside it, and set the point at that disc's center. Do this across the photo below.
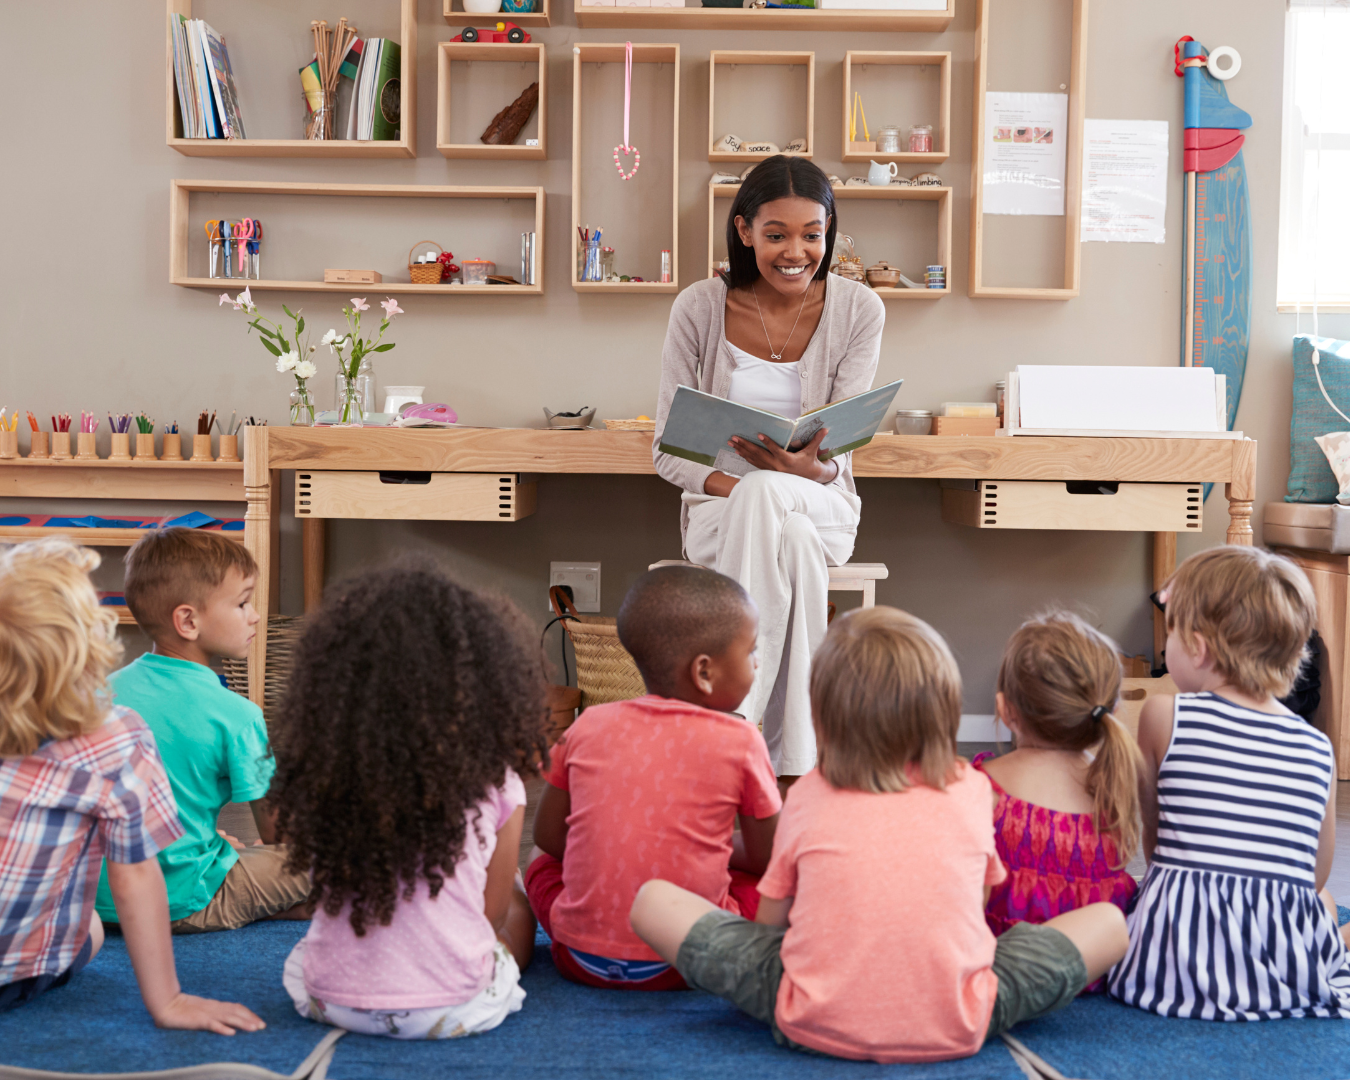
(1294, 287)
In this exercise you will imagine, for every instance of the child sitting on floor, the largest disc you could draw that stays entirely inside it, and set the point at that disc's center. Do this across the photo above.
(654, 786)
(1066, 815)
(413, 706)
(79, 780)
(192, 593)
(1239, 808)
(870, 941)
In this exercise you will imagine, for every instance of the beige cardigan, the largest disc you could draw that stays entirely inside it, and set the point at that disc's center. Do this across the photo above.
(840, 361)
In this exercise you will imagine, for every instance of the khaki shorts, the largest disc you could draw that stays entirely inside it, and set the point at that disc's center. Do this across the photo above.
(1039, 969)
(257, 886)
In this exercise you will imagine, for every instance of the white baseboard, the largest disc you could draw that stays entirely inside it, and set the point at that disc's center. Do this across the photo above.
(978, 727)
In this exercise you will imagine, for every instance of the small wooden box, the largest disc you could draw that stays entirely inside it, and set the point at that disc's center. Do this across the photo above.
(426, 496)
(354, 277)
(965, 425)
(860, 147)
(1044, 504)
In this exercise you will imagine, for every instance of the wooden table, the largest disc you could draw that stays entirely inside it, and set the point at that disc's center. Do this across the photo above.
(268, 450)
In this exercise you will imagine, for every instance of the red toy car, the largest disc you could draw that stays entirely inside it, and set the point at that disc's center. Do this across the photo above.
(505, 31)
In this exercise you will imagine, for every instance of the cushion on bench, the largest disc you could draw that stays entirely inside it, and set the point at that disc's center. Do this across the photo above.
(1313, 526)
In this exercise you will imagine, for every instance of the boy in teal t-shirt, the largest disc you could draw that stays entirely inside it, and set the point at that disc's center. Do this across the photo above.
(192, 593)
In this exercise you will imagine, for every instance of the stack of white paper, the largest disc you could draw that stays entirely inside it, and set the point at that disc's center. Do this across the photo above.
(1119, 399)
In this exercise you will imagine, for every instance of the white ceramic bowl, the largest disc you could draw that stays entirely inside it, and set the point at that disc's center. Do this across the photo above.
(482, 7)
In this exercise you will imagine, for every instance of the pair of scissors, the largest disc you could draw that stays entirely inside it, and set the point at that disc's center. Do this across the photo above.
(213, 238)
(243, 230)
(254, 247)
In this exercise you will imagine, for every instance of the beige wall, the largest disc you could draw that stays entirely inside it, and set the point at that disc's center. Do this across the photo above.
(93, 323)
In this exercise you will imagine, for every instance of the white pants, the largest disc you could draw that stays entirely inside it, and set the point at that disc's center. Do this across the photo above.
(775, 534)
(493, 1004)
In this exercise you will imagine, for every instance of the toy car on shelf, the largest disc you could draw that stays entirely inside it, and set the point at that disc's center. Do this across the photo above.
(504, 31)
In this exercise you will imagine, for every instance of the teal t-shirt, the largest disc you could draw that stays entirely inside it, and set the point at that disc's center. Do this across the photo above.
(213, 743)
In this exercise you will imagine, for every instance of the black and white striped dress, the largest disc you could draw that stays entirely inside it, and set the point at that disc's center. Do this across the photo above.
(1227, 924)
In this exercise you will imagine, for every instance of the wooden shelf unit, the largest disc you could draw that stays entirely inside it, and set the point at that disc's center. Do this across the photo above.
(644, 53)
(942, 129)
(459, 17)
(940, 195)
(180, 226)
(447, 52)
(1073, 165)
(404, 147)
(813, 20)
(730, 57)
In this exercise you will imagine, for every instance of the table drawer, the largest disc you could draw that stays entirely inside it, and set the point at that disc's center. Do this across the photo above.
(428, 496)
(1039, 504)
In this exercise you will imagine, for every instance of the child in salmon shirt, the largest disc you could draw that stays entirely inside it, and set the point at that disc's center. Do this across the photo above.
(654, 787)
(870, 941)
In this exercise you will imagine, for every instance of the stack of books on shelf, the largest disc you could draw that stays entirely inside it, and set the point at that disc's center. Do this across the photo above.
(377, 96)
(207, 100)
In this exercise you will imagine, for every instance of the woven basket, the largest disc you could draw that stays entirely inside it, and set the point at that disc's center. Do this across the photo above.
(605, 670)
(283, 633)
(425, 273)
(631, 425)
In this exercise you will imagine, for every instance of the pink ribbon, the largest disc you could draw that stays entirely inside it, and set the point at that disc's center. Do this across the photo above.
(625, 147)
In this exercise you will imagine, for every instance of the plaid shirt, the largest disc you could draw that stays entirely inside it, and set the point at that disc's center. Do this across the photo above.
(62, 809)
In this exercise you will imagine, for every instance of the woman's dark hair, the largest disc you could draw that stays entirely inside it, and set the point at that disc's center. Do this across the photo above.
(778, 177)
(410, 698)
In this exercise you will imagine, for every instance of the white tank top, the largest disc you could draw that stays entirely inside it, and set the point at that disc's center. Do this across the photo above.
(762, 384)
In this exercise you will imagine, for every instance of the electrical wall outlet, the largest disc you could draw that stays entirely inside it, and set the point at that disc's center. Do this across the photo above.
(584, 580)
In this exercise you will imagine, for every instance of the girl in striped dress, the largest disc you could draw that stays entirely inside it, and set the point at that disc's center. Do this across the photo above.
(1238, 802)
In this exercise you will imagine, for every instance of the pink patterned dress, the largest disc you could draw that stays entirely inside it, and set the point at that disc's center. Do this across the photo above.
(1056, 862)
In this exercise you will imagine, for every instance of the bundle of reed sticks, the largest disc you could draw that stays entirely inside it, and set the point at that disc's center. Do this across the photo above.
(330, 47)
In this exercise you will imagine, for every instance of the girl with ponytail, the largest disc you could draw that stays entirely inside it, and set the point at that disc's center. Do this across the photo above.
(1066, 816)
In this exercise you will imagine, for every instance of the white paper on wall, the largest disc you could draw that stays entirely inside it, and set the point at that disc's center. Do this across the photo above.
(1024, 139)
(1124, 180)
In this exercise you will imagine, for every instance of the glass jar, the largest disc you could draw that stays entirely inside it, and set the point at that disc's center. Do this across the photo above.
(363, 381)
(665, 264)
(302, 407)
(592, 271)
(921, 139)
(1000, 391)
(607, 263)
(888, 140)
(350, 408)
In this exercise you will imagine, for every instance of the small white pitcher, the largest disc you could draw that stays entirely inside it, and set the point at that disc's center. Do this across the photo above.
(882, 174)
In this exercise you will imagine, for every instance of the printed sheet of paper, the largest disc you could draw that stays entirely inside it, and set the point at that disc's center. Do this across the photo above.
(1024, 137)
(1125, 180)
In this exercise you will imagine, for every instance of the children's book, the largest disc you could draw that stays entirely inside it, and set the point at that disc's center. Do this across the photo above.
(182, 76)
(221, 78)
(386, 103)
(700, 426)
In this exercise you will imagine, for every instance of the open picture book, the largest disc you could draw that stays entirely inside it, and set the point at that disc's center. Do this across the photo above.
(700, 426)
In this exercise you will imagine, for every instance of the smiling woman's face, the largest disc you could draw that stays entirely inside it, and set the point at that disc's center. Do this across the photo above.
(788, 236)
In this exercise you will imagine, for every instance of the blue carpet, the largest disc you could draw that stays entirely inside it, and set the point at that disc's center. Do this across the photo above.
(97, 1024)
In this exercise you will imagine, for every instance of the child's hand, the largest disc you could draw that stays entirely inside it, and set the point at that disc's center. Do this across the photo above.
(188, 1013)
(233, 841)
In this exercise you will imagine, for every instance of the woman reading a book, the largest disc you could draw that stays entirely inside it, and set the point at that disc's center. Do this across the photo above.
(776, 333)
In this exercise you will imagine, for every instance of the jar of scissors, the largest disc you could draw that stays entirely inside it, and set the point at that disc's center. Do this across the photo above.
(235, 248)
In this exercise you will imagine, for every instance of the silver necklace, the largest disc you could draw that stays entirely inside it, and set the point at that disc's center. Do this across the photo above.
(779, 355)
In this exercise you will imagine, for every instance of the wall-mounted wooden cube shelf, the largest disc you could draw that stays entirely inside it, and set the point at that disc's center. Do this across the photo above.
(893, 192)
(449, 53)
(182, 230)
(403, 147)
(457, 16)
(803, 123)
(940, 106)
(605, 114)
(811, 20)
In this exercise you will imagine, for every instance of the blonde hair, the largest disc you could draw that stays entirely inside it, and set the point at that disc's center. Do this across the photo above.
(1255, 610)
(57, 645)
(886, 700)
(168, 567)
(1061, 678)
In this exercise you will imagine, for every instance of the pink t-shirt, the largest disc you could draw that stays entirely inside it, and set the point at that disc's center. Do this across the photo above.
(887, 956)
(433, 952)
(655, 785)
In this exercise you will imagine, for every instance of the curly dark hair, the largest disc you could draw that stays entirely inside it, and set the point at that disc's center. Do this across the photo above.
(410, 698)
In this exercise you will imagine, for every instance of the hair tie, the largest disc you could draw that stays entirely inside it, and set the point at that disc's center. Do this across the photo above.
(1098, 713)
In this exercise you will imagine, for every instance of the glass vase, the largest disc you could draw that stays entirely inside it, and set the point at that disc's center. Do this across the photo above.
(351, 408)
(302, 407)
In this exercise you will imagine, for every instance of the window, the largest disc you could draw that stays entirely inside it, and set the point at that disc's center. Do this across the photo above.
(1315, 160)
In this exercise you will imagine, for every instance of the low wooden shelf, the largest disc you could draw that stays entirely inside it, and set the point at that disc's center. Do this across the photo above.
(180, 230)
(450, 52)
(895, 192)
(943, 123)
(812, 20)
(761, 58)
(403, 147)
(459, 17)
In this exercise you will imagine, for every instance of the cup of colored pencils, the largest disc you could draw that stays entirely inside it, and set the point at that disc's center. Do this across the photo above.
(61, 437)
(121, 437)
(38, 446)
(229, 440)
(85, 450)
(9, 435)
(173, 443)
(145, 438)
(201, 442)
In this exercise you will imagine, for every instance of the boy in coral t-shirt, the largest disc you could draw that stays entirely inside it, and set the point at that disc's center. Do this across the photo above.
(653, 787)
(870, 941)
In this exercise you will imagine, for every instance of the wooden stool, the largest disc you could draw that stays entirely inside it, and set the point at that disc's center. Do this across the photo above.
(851, 577)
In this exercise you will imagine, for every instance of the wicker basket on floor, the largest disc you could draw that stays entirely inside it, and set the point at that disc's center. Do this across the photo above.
(283, 634)
(605, 670)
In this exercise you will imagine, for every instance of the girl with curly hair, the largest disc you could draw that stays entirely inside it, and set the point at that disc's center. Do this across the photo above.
(414, 705)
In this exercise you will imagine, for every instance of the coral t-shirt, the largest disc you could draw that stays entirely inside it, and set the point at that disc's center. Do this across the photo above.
(656, 785)
(887, 955)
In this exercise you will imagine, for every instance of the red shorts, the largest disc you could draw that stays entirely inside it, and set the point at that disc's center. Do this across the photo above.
(543, 885)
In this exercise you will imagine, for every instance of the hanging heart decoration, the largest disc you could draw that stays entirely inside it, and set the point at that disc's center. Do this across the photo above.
(625, 148)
